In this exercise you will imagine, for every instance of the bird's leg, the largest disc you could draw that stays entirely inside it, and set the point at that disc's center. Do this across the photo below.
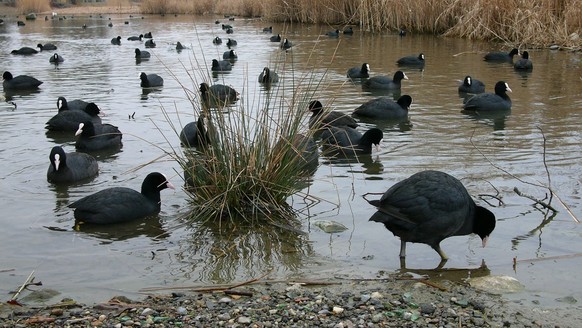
(438, 249)
(441, 264)
(402, 249)
(402, 263)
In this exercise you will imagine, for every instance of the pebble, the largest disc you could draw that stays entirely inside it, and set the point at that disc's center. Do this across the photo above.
(343, 305)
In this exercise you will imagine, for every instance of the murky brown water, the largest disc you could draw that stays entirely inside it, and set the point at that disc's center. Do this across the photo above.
(95, 265)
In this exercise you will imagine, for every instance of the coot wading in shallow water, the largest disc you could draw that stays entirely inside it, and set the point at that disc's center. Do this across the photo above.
(498, 101)
(429, 207)
(121, 204)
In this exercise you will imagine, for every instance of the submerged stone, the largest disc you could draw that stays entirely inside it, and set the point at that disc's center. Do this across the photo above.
(330, 226)
(497, 284)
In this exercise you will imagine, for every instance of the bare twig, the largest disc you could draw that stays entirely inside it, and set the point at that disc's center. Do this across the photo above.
(537, 201)
(27, 282)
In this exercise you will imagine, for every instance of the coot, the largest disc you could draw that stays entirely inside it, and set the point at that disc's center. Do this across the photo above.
(385, 108)
(348, 141)
(524, 63)
(359, 72)
(385, 82)
(321, 119)
(230, 55)
(71, 167)
(121, 204)
(412, 61)
(94, 137)
(217, 40)
(217, 95)
(194, 134)
(142, 54)
(24, 51)
(221, 65)
(428, 207)
(150, 43)
(135, 38)
(333, 34)
(56, 59)
(150, 80)
(275, 38)
(501, 57)
(471, 85)
(268, 76)
(46, 46)
(231, 43)
(286, 44)
(490, 101)
(116, 41)
(76, 104)
(20, 82)
(69, 120)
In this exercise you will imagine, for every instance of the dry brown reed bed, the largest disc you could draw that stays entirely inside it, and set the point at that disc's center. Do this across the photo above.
(531, 23)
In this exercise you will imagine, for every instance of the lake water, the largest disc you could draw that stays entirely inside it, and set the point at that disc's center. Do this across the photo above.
(491, 155)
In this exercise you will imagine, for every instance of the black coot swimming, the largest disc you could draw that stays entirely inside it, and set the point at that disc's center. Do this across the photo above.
(46, 46)
(217, 95)
(268, 76)
(349, 30)
(221, 65)
(524, 63)
(385, 82)
(217, 40)
(384, 108)
(20, 82)
(230, 55)
(24, 51)
(70, 167)
(150, 43)
(429, 207)
(76, 104)
(150, 80)
(231, 43)
(275, 38)
(471, 85)
(412, 61)
(135, 38)
(490, 101)
(500, 57)
(179, 46)
(116, 41)
(94, 137)
(346, 141)
(56, 59)
(321, 119)
(121, 204)
(194, 134)
(142, 54)
(286, 44)
(359, 72)
(333, 34)
(69, 119)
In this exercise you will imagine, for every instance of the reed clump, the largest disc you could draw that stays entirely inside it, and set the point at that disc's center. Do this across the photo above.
(245, 8)
(252, 161)
(32, 6)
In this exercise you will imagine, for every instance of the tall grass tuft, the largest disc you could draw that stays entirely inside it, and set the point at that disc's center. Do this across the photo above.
(32, 6)
(246, 8)
(253, 162)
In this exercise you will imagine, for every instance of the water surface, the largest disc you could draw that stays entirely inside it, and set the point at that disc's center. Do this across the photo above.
(491, 155)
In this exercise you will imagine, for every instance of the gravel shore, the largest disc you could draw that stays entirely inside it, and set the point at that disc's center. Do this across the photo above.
(393, 302)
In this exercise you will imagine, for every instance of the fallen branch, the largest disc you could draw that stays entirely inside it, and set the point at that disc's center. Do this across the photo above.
(537, 201)
(205, 289)
(29, 280)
